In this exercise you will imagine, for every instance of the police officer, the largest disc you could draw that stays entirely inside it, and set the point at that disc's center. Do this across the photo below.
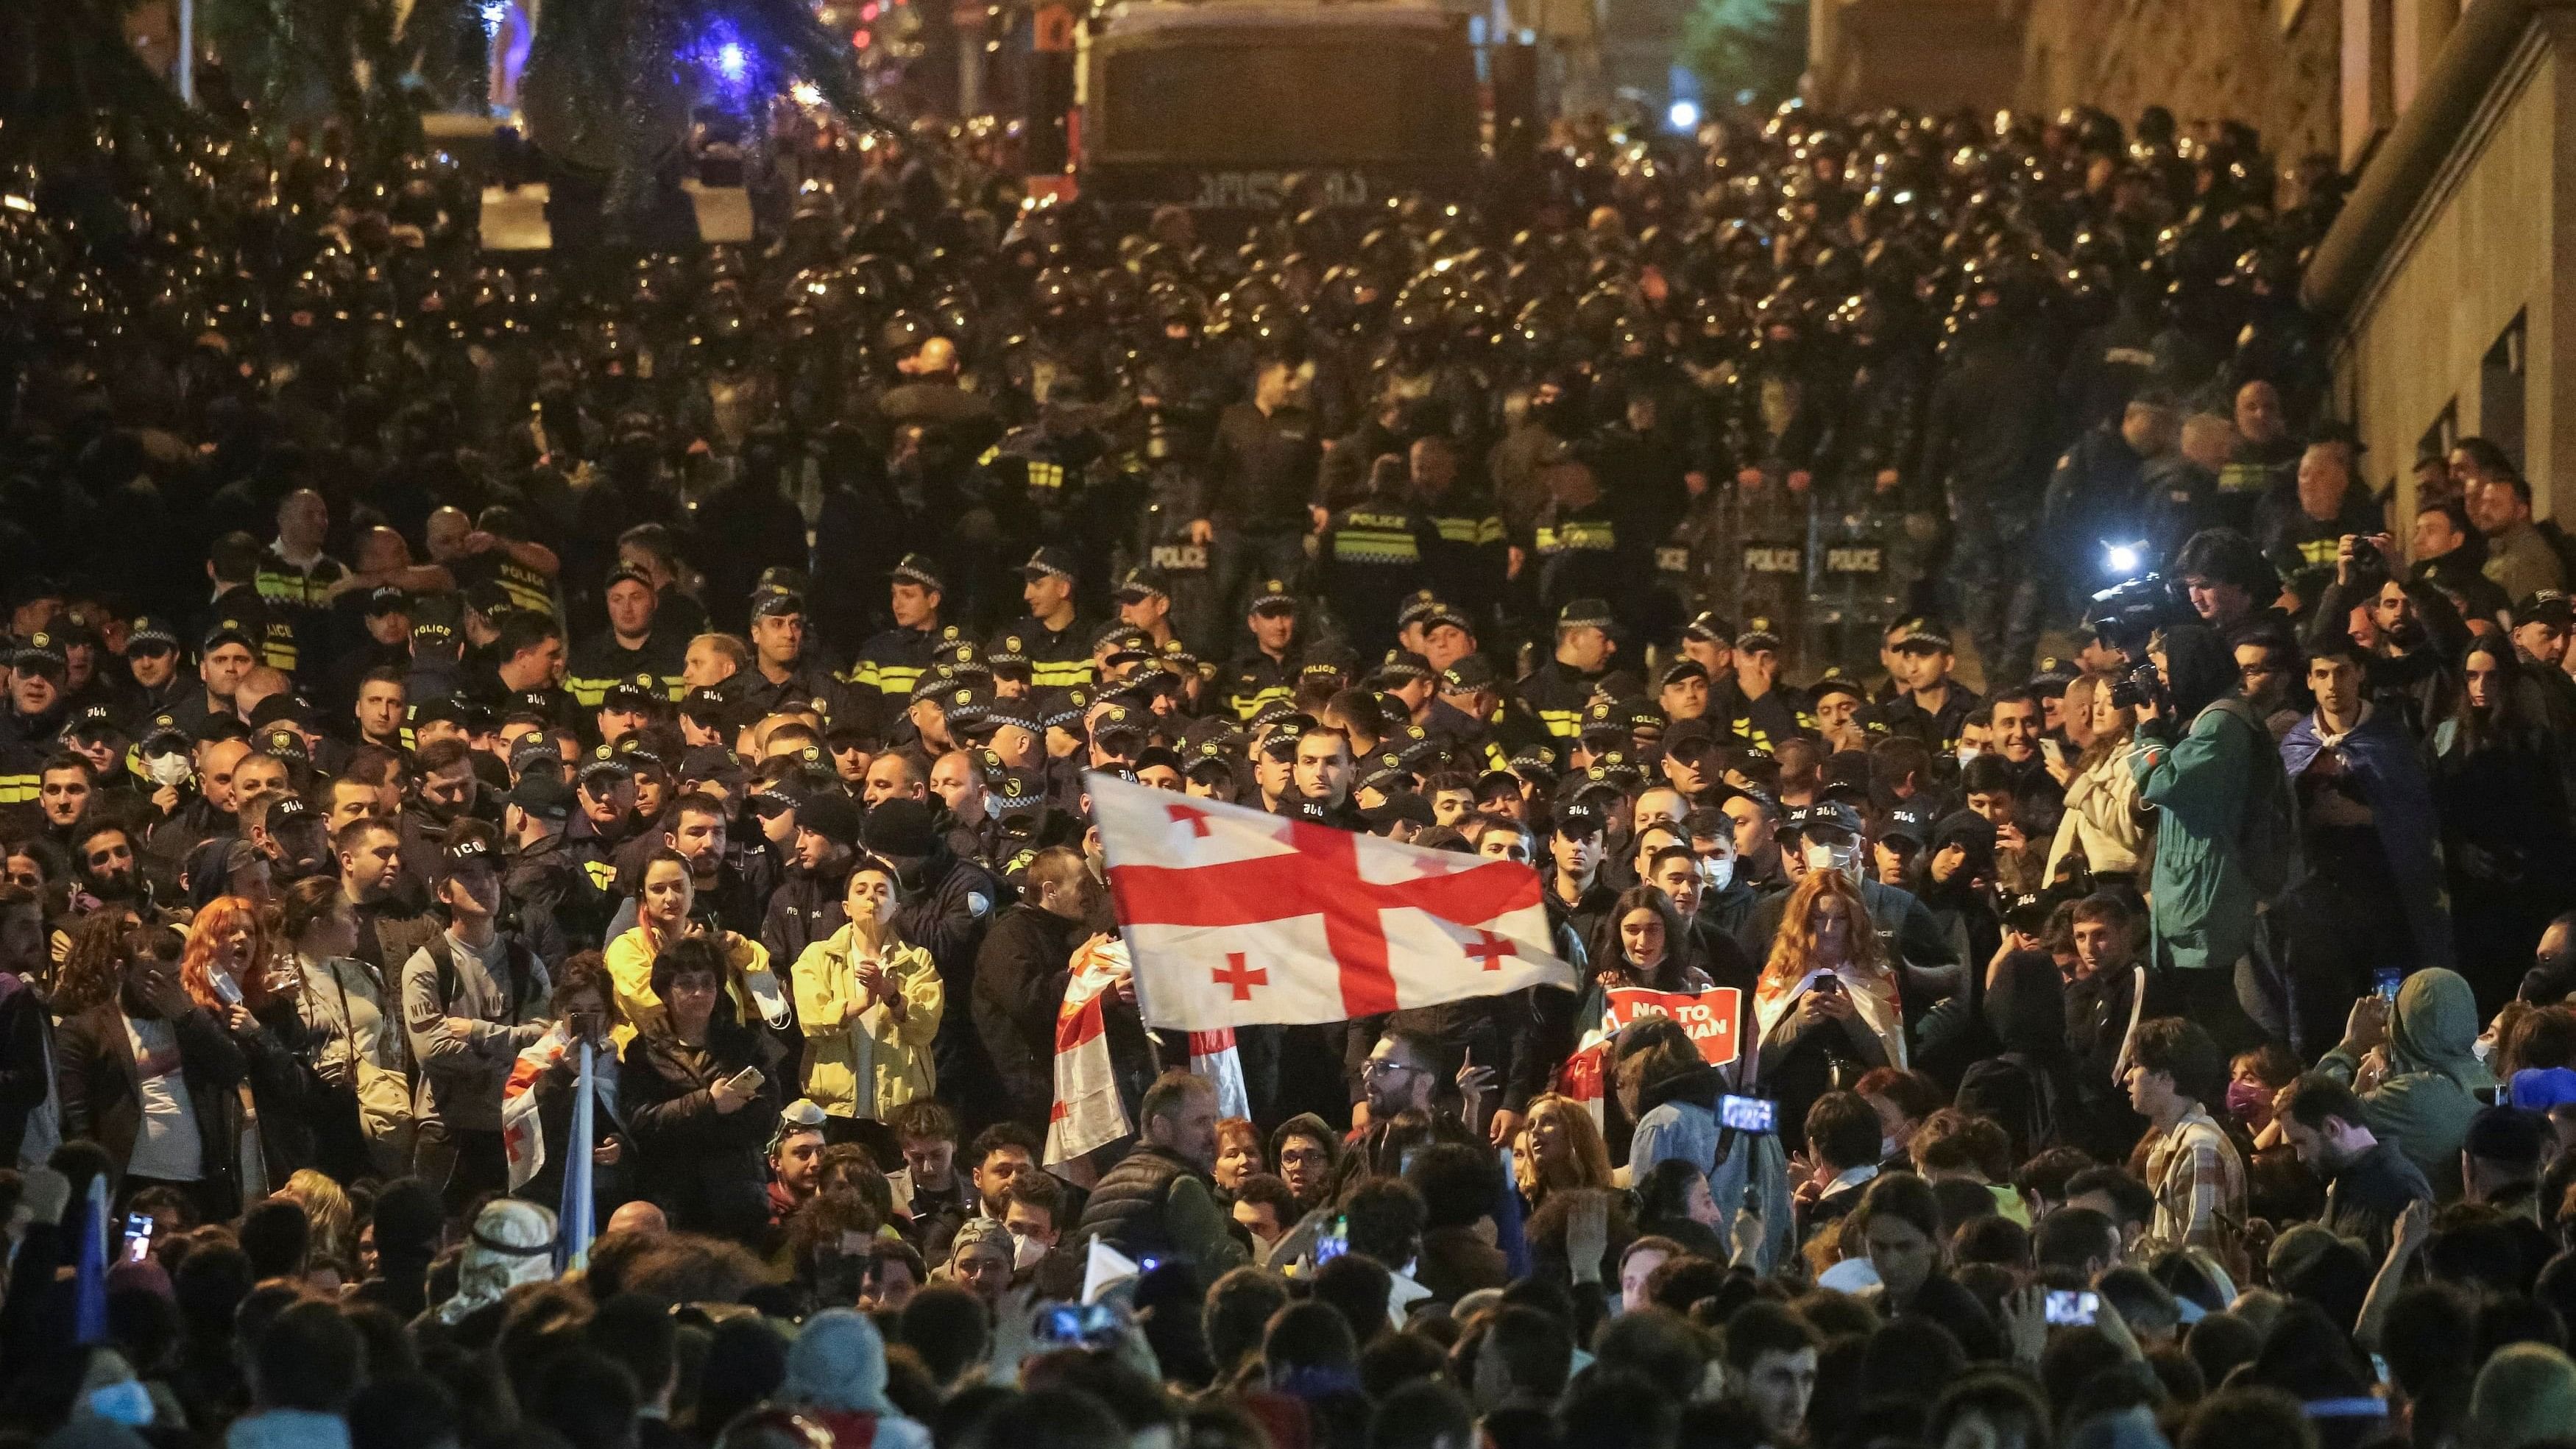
(1985, 442)
(1267, 672)
(1144, 599)
(890, 663)
(1577, 541)
(35, 716)
(1468, 561)
(630, 645)
(155, 682)
(782, 677)
(1370, 554)
(1762, 709)
(1052, 636)
(1928, 704)
(1560, 689)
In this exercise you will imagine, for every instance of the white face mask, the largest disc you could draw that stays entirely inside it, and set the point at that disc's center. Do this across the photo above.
(1968, 753)
(1716, 872)
(168, 769)
(1820, 856)
(1026, 1251)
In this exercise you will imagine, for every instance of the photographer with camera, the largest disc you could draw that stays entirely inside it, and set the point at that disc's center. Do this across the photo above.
(2414, 660)
(2232, 587)
(2202, 761)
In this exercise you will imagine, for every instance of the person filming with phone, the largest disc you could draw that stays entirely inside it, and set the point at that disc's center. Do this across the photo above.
(701, 1095)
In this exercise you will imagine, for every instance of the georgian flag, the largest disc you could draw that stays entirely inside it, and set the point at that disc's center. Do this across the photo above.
(1238, 918)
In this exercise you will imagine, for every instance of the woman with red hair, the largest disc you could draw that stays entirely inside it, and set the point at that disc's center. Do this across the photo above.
(230, 969)
(1826, 1006)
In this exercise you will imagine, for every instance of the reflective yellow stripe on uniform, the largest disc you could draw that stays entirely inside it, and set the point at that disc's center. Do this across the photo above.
(294, 589)
(601, 873)
(20, 789)
(1059, 673)
(589, 692)
(1375, 546)
(1049, 476)
(1245, 707)
(1563, 723)
(897, 678)
(1587, 534)
(862, 672)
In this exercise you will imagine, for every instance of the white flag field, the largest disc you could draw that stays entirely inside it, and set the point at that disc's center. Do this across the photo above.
(1234, 917)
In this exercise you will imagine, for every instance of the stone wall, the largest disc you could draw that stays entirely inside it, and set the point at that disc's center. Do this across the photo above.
(2201, 59)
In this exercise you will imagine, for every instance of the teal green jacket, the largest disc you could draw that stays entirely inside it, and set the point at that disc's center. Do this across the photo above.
(2203, 900)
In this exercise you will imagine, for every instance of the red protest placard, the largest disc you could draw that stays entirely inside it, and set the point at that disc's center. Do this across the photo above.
(1709, 1016)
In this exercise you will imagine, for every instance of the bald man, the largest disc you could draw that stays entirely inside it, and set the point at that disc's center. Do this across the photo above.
(207, 806)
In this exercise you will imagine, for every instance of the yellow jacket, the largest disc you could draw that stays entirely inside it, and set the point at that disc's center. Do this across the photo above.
(630, 971)
(870, 1064)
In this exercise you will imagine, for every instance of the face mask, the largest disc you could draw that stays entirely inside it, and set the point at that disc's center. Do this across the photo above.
(168, 769)
(1820, 856)
(2482, 1048)
(2244, 1099)
(127, 1403)
(1717, 872)
(1026, 1251)
(1968, 753)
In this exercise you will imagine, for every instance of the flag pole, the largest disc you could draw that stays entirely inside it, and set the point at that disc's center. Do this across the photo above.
(89, 1267)
(577, 1213)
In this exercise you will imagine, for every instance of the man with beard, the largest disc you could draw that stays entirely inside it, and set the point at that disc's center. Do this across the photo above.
(808, 904)
(446, 795)
(152, 1077)
(2369, 1183)
(945, 907)
(107, 875)
(697, 830)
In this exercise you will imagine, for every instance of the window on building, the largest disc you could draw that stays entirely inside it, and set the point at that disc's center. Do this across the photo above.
(2501, 392)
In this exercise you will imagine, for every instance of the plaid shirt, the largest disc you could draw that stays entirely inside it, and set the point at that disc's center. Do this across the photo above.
(2196, 1175)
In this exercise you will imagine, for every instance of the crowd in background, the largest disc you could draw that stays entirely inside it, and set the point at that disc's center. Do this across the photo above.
(431, 673)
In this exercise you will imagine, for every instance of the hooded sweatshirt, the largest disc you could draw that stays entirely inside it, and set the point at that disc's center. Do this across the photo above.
(2430, 1094)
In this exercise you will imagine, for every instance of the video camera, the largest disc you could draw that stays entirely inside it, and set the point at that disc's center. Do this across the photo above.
(2127, 615)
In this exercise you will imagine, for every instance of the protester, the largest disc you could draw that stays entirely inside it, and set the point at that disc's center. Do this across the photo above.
(1700, 441)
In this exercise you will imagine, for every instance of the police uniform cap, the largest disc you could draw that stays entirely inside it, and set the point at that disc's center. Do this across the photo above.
(1141, 583)
(914, 568)
(1586, 614)
(1049, 562)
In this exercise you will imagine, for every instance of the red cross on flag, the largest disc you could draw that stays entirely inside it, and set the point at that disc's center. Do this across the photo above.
(1237, 918)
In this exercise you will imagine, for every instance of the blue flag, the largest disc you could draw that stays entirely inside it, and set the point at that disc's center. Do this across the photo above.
(572, 1240)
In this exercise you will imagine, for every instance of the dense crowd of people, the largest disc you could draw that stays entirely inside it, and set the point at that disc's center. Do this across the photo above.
(432, 675)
